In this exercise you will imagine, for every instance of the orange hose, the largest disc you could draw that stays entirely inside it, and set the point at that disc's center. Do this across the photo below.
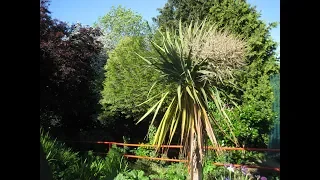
(181, 160)
(151, 158)
(185, 161)
(145, 145)
(179, 146)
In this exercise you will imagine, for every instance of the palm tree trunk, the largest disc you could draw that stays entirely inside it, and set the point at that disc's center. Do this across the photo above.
(195, 162)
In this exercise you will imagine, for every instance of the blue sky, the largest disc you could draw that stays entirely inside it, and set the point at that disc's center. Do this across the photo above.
(88, 11)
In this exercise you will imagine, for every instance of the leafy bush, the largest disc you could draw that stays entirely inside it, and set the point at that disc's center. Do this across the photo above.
(68, 165)
(144, 151)
(175, 171)
(64, 163)
(132, 175)
(95, 167)
(161, 171)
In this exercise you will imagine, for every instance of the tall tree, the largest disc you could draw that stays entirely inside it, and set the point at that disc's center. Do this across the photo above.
(186, 10)
(118, 23)
(256, 97)
(251, 87)
(70, 64)
(126, 85)
(127, 78)
(194, 59)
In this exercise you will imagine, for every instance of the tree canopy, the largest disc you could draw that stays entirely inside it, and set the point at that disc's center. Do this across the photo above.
(70, 70)
(118, 23)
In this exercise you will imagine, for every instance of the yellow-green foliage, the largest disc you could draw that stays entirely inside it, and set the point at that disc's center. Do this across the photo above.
(128, 79)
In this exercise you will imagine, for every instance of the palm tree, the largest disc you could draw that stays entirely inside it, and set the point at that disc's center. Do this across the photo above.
(195, 58)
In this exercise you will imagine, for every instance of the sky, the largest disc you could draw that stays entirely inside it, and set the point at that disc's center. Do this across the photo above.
(87, 11)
